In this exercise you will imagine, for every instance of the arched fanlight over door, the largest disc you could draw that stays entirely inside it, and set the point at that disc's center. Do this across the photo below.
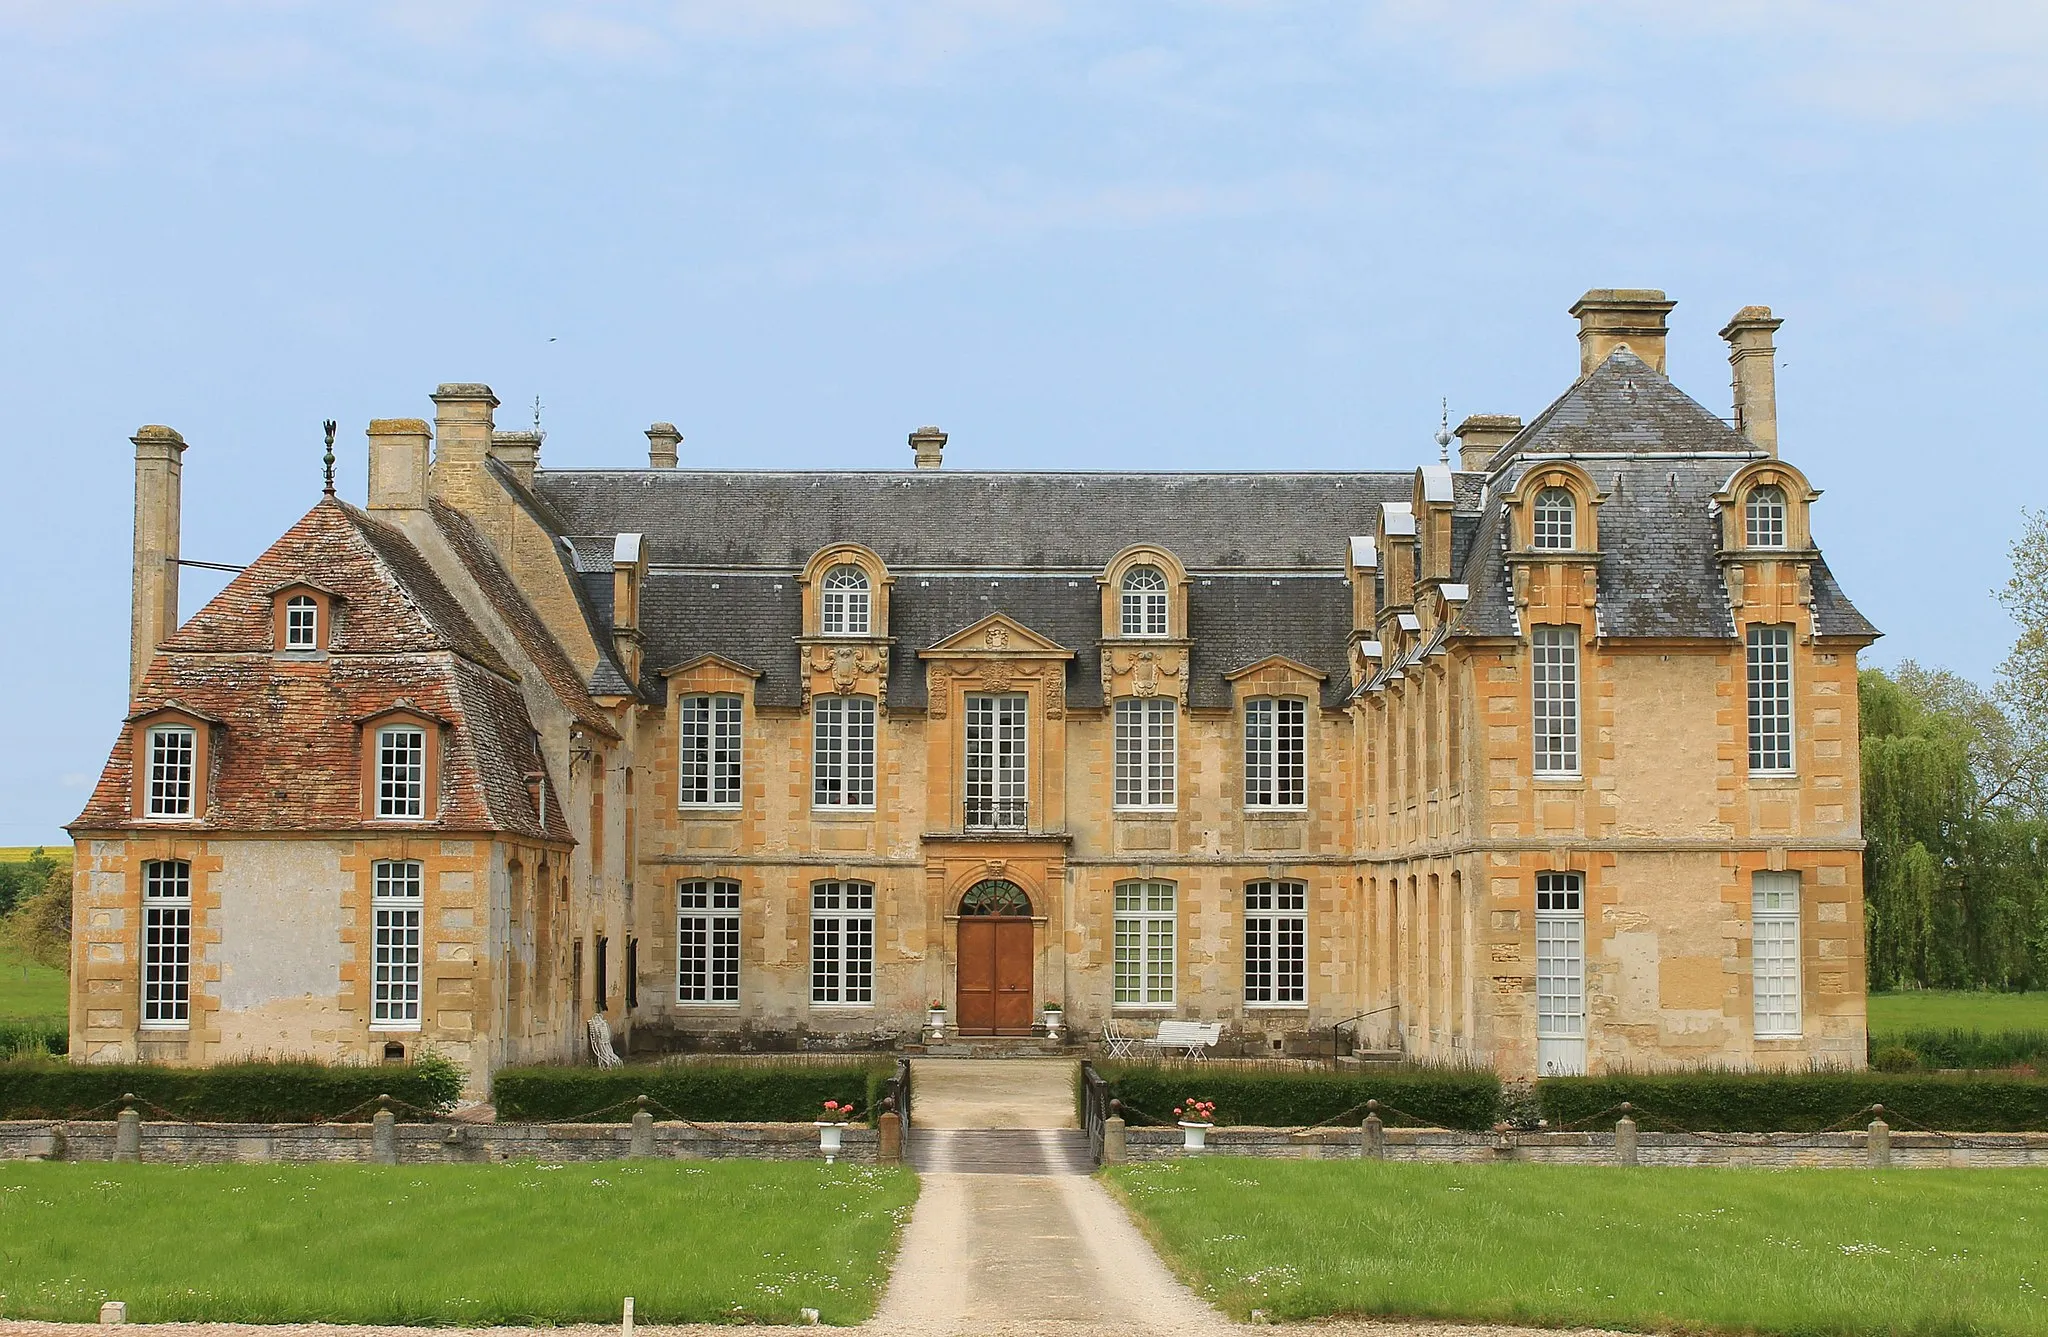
(994, 896)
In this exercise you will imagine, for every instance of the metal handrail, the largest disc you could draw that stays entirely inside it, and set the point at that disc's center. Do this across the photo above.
(996, 814)
(1337, 1030)
(1094, 1106)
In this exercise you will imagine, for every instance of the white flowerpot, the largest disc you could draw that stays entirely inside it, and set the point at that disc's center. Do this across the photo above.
(1194, 1136)
(829, 1135)
(1053, 1021)
(935, 1024)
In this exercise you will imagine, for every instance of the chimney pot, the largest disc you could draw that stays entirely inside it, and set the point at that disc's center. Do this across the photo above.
(159, 473)
(1752, 363)
(398, 463)
(1611, 318)
(930, 445)
(1481, 436)
(662, 441)
(462, 434)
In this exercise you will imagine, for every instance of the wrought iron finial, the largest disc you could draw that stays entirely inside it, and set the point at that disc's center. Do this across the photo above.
(1443, 435)
(327, 460)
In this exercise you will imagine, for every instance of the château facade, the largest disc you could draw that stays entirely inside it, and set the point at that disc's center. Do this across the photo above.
(1544, 759)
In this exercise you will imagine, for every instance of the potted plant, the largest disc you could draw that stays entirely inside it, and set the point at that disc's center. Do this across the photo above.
(935, 1020)
(1196, 1117)
(832, 1128)
(1053, 1017)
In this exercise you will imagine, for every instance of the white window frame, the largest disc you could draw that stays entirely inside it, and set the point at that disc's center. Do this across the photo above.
(1147, 758)
(710, 747)
(1276, 753)
(708, 942)
(166, 945)
(842, 944)
(1142, 603)
(172, 757)
(845, 602)
(1145, 940)
(843, 753)
(1553, 520)
(1764, 515)
(997, 726)
(1561, 958)
(1774, 956)
(1276, 944)
(401, 773)
(397, 957)
(301, 623)
(1768, 676)
(1554, 701)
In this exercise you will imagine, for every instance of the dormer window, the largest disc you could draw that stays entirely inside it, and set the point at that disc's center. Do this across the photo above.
(173, 772)
(301, 623)
(1555, 518)
(1144, 602)
(1764, 517)
(843, 602)
(402, 771)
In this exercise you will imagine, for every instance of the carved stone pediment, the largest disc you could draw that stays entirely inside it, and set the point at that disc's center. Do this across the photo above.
(997, 634)
(1145, 668)
(996, 654)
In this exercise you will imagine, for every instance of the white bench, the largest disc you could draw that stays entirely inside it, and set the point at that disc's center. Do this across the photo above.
(1191, 1037)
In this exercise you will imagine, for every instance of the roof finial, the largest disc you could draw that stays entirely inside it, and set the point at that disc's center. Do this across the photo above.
(328, 459)
(1443, 435)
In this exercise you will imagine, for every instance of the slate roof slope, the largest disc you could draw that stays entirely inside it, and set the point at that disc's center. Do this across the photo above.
(1623, 406)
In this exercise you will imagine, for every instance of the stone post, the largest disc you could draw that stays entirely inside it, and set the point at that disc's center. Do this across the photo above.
(1114, 1149)
(1625, 1150)
(889, 1134)
(128, 1133)
(384, 1134)
(1372, 1134)
(640, 1146)
(1878, 1143)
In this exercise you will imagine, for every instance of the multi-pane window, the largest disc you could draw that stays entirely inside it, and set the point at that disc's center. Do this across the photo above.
(843, 752)
(173, 759)
(708, 942)
(301, 623)
(1275, 942)
(1145, 755)
(842, 942)
(1774, 952)
(1276, 752)
(1144, 602)
(1555, 682)
(1554, 518)
(843, 602)
(1770, 699)
(995, 762)
(1144, 933)
(1560, 957)
(166, 943)
(395, 944)
(402, 772)
(710, 751)
(1763, 518)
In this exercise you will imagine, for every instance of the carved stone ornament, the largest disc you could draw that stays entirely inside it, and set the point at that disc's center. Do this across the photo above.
(996, 676)
(1056, 695)
(936, 687)
(848, 664)
(996, 637)
(1145, 670)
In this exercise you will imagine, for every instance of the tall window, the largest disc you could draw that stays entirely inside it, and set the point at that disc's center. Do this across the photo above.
(843, 751)
(842, 942)
(395, 963)
(995, 762)
(301, 623)
(1560, 957)
(711, 751)
(1276, 752)
(1774, 953)
(1556, 685)
(1764, 517)
(843, 607)
(1555, 517)
(402, 772)
(1145, 925)
(173, 754)
(1144, 602)
(166, 944)
(1145, 754)
(708, 942)
(1770, 699)
(1275, 942)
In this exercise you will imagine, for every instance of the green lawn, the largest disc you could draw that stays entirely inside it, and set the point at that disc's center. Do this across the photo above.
(28, 990)
(1951, 1010)
(447, 1244)
(1818, 1253)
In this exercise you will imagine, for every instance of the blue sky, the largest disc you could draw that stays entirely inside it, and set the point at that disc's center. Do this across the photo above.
(1173, 235)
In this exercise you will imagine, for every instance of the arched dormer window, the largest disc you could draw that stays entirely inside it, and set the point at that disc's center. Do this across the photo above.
(843, 602)
(1763, 517)
(1144, 602)
(301, 623)
(1554, 521)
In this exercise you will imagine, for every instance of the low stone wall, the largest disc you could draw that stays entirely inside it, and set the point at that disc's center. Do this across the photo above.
(426, 1143)
(1762, 1150)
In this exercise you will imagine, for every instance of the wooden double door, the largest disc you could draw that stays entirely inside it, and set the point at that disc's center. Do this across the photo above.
(995, 975)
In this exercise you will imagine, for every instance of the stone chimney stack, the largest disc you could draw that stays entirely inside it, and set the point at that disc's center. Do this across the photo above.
(1611, 318)
(1481, 436)
(1752, 357)
(930, 445)
(662, 442)
(519, 452)
(462, 426)
(159, 470)
(398, 463)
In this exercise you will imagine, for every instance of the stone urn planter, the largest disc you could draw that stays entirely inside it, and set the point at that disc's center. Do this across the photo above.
(935, 1023)
(832, 1129)
(1054, 1019)
(1196, 1118)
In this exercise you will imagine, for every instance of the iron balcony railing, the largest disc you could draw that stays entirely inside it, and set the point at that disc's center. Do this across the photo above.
(996, 814)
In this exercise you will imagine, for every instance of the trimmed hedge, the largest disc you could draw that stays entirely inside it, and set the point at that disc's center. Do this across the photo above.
(21, 1036)
(253, 1092)
(1799, 1102)
(1444, 1097)
(1975, 1050)
(714, 1092)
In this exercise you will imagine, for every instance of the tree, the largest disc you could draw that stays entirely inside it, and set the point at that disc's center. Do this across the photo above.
(40, 926)
(2023, 678)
